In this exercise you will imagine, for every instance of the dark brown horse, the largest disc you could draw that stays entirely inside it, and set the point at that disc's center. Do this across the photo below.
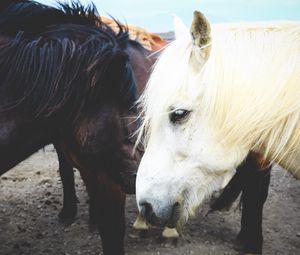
(141, 61)
(65, 78)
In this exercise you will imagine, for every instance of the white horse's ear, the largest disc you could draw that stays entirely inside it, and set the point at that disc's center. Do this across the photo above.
(180, 28)
(200, 31)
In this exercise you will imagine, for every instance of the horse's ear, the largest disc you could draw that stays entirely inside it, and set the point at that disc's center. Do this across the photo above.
(201, 34)
(180, 28)
(200, 30)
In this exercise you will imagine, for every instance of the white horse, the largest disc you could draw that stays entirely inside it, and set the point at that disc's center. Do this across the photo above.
(216, 94)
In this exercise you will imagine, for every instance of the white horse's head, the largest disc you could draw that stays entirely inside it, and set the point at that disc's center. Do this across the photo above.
(183, 162)
(213, 97)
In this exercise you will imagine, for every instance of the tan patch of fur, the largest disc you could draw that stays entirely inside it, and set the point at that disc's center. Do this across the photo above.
(150, 41)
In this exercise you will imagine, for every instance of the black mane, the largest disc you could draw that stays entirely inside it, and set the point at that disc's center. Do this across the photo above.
(54, 58)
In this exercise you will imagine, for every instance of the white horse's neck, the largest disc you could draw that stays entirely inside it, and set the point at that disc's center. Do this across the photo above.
(252, 93)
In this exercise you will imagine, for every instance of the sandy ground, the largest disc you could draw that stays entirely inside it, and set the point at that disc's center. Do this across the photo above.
(31, 197)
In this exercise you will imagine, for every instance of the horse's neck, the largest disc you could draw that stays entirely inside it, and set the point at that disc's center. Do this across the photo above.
(141, 64)
(19, 139)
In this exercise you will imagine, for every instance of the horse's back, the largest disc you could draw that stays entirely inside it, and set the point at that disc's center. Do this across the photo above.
(256, 26)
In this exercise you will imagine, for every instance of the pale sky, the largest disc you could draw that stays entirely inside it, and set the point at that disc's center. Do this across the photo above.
(156, 15)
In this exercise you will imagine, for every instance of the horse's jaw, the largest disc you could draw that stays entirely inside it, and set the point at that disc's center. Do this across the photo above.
(164, 183)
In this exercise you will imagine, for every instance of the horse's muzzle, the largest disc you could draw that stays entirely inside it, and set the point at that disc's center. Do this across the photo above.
(169, 217)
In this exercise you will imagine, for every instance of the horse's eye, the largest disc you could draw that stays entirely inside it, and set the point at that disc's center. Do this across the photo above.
(178, 115)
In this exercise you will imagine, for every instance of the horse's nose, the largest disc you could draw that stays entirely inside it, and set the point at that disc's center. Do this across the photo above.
(167, 216)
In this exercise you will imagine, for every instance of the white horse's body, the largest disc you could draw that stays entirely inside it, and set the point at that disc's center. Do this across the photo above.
(206, 107)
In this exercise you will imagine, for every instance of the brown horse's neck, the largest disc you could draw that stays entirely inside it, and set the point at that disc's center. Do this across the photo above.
(141, 61)
(19, 139)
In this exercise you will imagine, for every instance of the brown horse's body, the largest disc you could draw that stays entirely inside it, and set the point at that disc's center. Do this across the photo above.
(65, 80)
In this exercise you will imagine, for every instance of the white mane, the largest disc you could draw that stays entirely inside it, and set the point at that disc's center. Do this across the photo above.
(249, 88)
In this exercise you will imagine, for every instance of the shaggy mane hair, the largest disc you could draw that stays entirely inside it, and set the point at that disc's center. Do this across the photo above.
(61, 59)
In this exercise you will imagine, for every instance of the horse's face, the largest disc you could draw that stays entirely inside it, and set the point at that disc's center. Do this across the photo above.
(184, 161)
(105, 136)
(102, 142)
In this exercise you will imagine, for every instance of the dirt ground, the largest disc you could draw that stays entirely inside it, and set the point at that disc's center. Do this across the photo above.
(31, 197)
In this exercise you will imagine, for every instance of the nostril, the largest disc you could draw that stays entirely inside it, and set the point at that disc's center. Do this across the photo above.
(176, 205)
(176, 210)
(146, 209)
(175, 215)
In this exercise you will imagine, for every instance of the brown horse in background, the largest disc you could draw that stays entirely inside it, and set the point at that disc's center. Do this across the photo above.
(150, 41)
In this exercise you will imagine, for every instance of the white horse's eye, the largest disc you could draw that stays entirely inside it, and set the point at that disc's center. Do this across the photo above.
(178, 115)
